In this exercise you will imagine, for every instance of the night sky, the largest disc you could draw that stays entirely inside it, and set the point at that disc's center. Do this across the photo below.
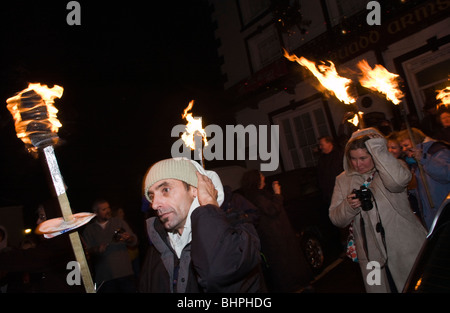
(128, 72)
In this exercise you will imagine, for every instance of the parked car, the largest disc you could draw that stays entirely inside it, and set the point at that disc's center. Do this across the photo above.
(319, 239)
(431, 271)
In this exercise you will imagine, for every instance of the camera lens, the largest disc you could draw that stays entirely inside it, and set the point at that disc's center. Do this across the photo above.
(118, 234)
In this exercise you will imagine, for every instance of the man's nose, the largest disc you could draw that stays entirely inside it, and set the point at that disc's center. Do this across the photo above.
(156, 203)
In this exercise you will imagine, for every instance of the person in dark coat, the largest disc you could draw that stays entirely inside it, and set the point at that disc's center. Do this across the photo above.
(444, 118)
(43, 267)
(238, 209)
(193, 247)
(286, 269)
(330, 165)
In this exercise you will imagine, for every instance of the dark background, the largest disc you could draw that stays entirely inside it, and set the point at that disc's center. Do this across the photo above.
(128, 72)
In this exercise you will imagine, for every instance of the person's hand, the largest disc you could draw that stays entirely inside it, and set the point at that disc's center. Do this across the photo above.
(353, 201)
(206, 192)
(126, 237)
(417, 153)
(276, 187)
(102, 247)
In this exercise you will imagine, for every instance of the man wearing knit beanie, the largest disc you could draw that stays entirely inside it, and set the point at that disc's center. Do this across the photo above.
(193, 246)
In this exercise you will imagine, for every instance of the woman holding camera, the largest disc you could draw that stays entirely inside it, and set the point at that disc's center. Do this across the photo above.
(371, 195)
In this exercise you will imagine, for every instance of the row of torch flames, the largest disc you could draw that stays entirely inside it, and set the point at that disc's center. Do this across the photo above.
(377, 79)
(36, 124)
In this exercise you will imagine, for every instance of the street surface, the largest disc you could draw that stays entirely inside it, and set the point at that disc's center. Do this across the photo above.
(341, 276)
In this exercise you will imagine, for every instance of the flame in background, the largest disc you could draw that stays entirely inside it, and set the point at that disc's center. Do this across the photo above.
(444, 96)
(356, 117)
(193, 127)
(33, 111)
(379, 79)
(327, 76)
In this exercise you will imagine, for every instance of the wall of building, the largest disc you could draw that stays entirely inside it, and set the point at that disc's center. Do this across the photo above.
(406, 44)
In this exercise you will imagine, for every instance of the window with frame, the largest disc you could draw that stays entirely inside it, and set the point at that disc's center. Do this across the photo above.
(426, 74)
(250, 9)
(339, 10)
(432, 79)
(299, 131)
(264, 48)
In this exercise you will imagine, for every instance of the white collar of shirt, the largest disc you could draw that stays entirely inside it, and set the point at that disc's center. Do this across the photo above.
(177, 241)
(102, 224)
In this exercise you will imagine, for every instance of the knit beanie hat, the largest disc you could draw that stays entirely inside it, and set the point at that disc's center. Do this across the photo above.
(176, 168)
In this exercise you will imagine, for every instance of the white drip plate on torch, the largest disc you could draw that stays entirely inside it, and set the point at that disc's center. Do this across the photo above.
(57, 226)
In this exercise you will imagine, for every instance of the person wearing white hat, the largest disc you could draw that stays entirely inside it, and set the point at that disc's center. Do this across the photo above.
(193, 248)
(371, 196)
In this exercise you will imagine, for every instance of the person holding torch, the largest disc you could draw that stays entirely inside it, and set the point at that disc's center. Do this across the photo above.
(429, 159)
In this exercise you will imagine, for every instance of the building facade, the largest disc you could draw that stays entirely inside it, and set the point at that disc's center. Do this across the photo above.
(264, 88)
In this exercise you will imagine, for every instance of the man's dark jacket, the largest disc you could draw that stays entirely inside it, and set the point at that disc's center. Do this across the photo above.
(219, 258)
(329, 166)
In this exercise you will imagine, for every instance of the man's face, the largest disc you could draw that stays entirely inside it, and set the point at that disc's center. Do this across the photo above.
(407, 147)
(42, 217)
(325, 146)
(103, 211)
(172, 201)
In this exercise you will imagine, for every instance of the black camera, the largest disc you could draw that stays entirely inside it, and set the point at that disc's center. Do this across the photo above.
(365, 196)
(118, 234)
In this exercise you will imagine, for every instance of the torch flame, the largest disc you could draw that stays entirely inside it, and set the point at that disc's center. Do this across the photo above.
(444, 96)
(379, 79)
(39, 110)
(355, 119)
(327, 76)
(193, 127)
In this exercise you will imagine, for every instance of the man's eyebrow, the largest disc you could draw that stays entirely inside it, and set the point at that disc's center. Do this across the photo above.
(162, 184)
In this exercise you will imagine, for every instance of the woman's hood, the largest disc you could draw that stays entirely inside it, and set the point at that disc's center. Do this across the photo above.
(364, 131)
(370, 130)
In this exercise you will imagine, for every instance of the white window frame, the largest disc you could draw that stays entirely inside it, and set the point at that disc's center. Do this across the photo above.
(264, 48)
(289, 161)
(418, 64)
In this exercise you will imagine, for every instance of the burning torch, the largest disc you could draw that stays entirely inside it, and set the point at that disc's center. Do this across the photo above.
(379, 79)
(37, 126)
(329, 78)
(194, 132)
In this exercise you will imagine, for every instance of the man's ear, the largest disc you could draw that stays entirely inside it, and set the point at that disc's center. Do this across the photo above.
(194, 191)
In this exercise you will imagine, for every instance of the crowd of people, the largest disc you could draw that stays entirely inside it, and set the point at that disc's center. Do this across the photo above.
(382, 187)
(388, 195)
